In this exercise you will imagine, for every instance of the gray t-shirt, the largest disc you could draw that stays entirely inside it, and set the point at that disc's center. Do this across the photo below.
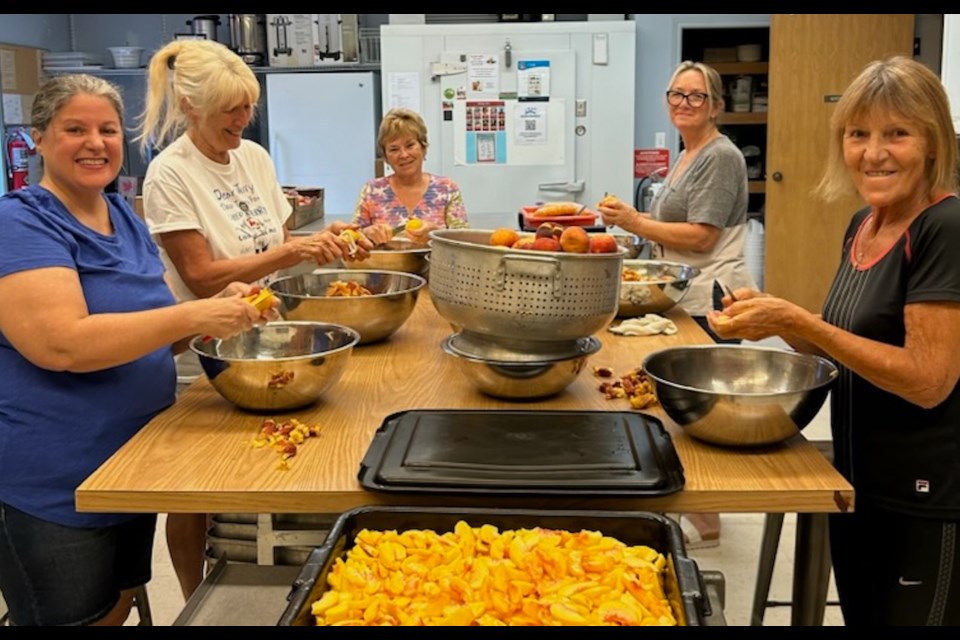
(712, 190)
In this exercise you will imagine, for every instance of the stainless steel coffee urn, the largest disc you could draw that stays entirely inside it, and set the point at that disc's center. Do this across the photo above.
(205, 26)
(248, 37)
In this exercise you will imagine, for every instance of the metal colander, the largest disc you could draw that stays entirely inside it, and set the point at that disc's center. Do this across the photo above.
(541, 296)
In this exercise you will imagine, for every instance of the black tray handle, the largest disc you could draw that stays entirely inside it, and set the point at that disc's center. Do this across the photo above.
(303, 584)
(692, 575)
(663, 445)
(367, 474)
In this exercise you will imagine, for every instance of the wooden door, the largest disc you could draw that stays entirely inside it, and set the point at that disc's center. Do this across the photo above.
(812, 60)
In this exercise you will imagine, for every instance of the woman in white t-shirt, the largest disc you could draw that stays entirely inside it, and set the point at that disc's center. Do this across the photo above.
(212, 202)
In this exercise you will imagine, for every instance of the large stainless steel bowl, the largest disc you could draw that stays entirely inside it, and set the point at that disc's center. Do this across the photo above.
(397, 255)
(739, 395)
(636, 246)
(513, 380)
(666, 283)
(279, 366)
(374, 317)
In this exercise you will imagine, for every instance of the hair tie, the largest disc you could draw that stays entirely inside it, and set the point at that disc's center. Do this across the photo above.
(171, 61)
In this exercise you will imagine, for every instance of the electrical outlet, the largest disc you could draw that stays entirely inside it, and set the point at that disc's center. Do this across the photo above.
(660, 139)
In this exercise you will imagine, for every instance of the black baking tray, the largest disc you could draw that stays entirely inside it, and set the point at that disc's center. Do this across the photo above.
(683, 584)
(600, 453)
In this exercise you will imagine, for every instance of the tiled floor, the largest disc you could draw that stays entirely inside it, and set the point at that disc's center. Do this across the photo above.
(736, 558)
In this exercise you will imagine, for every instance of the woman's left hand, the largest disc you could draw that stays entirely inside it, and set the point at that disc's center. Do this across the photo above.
(421, 233)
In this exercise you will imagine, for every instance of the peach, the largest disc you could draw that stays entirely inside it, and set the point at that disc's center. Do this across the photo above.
(504, 237)
(550, 230)
(546, 244)
(525, 242)
(575, 240)
(603, 243)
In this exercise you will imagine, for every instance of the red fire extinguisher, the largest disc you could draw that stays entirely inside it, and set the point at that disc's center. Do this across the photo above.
(18, 161)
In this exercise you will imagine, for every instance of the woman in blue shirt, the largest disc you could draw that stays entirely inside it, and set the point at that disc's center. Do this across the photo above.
(88, 329)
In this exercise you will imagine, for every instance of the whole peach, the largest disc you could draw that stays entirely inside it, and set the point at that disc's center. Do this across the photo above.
(603, 243)
(575, 240)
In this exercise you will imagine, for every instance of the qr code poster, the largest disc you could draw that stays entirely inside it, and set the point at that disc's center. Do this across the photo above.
(531, 124)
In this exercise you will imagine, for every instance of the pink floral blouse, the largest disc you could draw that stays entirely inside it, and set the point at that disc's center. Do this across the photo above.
(442, 205)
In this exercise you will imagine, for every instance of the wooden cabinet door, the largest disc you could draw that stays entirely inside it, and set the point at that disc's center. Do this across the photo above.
(812, 60)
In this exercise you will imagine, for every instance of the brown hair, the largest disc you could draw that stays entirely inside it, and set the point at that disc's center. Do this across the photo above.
(205, 74)
(902, 86)
(58, 90)
(400, 122)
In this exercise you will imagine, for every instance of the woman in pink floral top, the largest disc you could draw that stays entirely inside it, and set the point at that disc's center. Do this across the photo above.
(387, 203)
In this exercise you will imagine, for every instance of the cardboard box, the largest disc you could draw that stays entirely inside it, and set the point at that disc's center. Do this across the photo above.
(290, 39)
(21, 69)
(307, 203)
(17, 107)
(723, 54)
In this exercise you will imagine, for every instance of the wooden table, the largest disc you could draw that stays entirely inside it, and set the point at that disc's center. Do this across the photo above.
(197, 455)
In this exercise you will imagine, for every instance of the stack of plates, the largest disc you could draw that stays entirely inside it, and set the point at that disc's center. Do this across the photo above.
(71, 61)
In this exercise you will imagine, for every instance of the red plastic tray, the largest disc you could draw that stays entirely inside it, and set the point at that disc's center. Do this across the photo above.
(585, 219)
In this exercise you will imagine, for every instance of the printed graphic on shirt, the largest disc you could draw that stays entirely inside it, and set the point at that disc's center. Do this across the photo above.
(250, 218)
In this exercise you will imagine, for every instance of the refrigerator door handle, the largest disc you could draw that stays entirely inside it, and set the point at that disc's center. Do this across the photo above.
(565, 187)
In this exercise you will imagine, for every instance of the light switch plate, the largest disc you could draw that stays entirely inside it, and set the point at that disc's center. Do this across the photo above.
(600, 48)
(581, 108)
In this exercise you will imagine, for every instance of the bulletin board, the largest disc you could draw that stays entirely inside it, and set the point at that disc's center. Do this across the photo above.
(502, 141)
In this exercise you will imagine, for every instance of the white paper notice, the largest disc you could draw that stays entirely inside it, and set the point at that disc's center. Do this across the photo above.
(403, 90)
(483, 76)
(531, 124)
(12, 111)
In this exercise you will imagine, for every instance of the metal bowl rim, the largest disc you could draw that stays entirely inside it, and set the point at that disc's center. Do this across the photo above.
(631, 263)
(832, 368)
(489, 248)
(352, 333)
(419, 281)
(593, 345)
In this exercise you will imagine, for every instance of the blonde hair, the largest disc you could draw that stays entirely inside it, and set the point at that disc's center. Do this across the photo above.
(710, 78)
(399, 122)
(205, 74)
(905, 87)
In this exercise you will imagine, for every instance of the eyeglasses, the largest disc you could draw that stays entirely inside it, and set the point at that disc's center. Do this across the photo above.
(675, 98)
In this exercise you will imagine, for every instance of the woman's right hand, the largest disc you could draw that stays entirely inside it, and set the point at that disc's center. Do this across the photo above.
(380, 233)
(224, 315)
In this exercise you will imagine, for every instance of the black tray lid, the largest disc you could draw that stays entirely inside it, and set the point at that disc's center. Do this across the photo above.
(599, 453)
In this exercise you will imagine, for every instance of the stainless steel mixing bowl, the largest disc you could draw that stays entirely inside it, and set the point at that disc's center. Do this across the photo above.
(667, 285)
(397, 255)
(739, 395)
(374, 317)
(279, 366)
(514, 380)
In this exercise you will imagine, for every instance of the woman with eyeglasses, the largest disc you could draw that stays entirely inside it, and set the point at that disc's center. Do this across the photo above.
(699, 217)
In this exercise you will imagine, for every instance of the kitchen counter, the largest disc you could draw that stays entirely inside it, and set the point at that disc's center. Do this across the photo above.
(197, 455)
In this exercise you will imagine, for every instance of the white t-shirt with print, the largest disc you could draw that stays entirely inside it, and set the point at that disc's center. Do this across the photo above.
(238, 207)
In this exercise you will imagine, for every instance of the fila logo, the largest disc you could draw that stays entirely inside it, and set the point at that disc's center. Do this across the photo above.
(923, 486)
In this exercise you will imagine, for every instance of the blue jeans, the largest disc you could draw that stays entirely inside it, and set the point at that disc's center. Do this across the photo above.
(51, 574)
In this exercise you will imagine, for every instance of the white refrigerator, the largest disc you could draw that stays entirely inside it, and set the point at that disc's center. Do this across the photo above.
(519, 113)
(321, 132)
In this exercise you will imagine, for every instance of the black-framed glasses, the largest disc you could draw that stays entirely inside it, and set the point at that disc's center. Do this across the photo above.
(675, 98)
